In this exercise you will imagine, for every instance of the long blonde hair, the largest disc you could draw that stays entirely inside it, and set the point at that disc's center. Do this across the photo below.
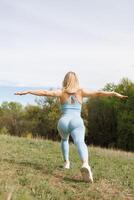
(70, 83)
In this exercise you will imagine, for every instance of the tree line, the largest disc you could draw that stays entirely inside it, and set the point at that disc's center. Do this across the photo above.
(109, 121)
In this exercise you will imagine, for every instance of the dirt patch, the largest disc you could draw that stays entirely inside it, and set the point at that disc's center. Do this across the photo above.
(108, 190)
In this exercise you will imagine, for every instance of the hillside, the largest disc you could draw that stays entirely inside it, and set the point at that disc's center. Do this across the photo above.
(31, 169)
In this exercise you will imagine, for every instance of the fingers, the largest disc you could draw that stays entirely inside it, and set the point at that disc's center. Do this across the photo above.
(17, 93)
(124, 97)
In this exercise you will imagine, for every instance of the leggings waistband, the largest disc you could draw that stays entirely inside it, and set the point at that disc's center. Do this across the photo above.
(72, 113)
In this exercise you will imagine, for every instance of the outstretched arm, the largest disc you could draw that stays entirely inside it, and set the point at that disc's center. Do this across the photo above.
(52, 93)
(88, 93)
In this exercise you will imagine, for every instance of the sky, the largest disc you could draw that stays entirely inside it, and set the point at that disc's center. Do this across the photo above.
(42, 40)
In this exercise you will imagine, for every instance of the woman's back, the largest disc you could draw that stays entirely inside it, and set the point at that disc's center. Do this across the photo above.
(65, 96)
(71, 103)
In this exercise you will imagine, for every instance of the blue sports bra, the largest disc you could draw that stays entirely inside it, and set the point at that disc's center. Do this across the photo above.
(71, 104)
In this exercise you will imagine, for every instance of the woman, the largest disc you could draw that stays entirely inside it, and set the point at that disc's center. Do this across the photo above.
(70, 122)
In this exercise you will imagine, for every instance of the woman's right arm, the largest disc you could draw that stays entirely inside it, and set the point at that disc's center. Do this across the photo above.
(53, 93)
(88, 93)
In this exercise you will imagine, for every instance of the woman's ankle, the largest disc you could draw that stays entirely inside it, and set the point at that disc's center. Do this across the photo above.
(66, 161)
(66, 164)
(84, 162)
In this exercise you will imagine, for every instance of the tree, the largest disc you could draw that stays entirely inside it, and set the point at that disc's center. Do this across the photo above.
(111, 120)
(102, 122)
(11, 115)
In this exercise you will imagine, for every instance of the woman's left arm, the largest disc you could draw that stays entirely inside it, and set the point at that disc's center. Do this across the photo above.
(116, 94)
(52, 93)
(88, 93)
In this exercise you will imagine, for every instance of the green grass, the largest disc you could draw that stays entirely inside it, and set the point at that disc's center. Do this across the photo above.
(31, 169)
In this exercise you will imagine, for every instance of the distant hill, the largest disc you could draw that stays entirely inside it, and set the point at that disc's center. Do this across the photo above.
(7, 94)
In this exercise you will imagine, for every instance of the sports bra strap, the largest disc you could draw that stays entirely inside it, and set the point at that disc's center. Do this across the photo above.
(72, 99)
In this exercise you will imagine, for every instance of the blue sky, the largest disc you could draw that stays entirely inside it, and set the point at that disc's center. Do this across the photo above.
(7, 94)
(42, 40)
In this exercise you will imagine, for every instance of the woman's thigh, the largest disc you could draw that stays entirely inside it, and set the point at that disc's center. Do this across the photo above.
(63, 127)
(76, 122)
(77, 129)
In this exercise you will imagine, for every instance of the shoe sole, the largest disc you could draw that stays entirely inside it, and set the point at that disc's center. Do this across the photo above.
(85, 174)
(66, 167)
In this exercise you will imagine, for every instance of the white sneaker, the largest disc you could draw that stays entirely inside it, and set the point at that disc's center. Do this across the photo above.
(86, 172)
(67, 165)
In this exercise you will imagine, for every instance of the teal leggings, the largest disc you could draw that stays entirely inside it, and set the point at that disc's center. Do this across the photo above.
(72, 124)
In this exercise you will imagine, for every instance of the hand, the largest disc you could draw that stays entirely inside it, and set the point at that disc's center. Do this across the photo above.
(116, 94)
(122, 96)
(21, 93)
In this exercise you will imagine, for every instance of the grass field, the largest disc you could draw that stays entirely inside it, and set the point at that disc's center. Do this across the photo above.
(31, 169)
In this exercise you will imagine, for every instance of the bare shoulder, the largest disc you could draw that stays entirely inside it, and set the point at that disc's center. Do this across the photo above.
(84, 91)
(87, 92)
(79, 92)
(54, 92)
(59, 92)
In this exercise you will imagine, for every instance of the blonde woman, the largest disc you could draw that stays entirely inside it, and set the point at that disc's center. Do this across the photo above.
(70, 122)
